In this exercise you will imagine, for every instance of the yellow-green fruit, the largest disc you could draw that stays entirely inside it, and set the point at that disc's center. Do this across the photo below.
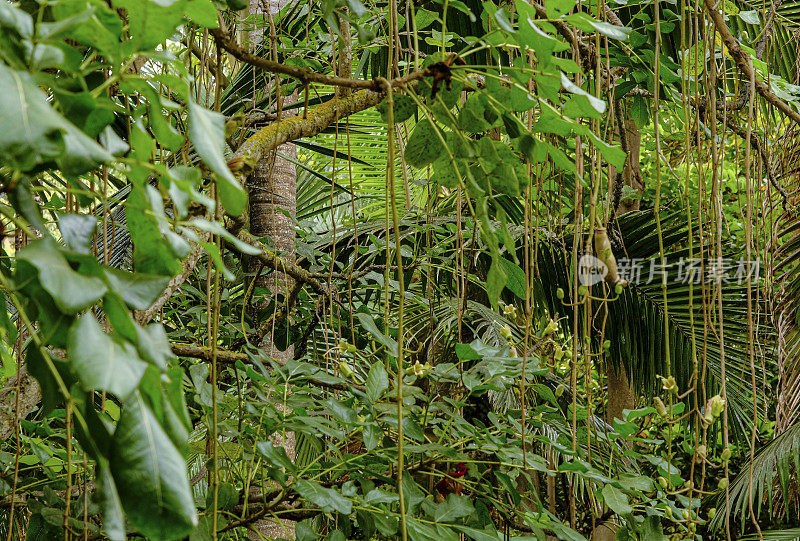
(693, 527)
(668, 511)
(583, 291)
(618, 289)
(689, 485)
(345, 369)
(726, 454)
(660, 407)
(723, 483)
(686, 514)
(702, 452)
(560, 293)
(607, 345)
(712, 513)
(663, 482)
(560, 389)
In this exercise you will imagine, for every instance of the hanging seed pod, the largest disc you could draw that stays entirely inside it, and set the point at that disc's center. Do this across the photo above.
(602, 249)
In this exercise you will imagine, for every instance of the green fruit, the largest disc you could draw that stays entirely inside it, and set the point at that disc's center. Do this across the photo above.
(618, 289)
(693, 527)
(668, 511)
(583, 291)
(560, 293)
(607, 345)
(660, 407)
(560, 389)
(345, 369)
(663, 482)
(712, 513)
(686, 514)
(723, 483)
(726, 454)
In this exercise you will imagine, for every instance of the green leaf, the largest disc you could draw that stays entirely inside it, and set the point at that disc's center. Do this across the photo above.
(327, 499)
(110, 506)
(102, 31)
(150, 474)
(31, 132)
(569, 86)
(138, 290)
(150, 21)
(557, 8)
(100, 362)
(495, 281)
(207, 133)
(72, 292)
(215, 255)
(640, 112)
(611, 30)
(153, 345)
(368, 323)
(202, 12)
(616, 500)
(424, 144)
(16, 19)
(77, 230)
(455, 506)
(276, 455)
(750, 17)
(377, 382)
(404, 108)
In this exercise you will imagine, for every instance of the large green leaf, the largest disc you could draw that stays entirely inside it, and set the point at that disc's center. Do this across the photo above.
(150, 474)
(137, 290)
(100, 362)
(72, 292)
(31, 132)
(207, 133)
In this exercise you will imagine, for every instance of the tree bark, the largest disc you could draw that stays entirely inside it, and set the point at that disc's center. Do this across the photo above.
(621, 395)
(272, 191)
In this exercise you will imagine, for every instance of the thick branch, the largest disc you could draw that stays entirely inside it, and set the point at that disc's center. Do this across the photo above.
(226, 356)
(315, 121)
(743, 62)
(303, 74)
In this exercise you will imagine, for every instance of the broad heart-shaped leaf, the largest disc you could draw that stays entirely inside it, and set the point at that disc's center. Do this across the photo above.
(616, 500)
(77, 231)
(377, 381)
(72, 292)
(424, 144)
(404, 108)
(207, 133)
(31, 132)
(151, 22)
(202, 12)
(328, 499)
(101, 363)
(150, 474)
(136, 289)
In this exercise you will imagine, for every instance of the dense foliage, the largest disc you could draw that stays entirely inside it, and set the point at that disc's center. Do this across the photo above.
(329, 270)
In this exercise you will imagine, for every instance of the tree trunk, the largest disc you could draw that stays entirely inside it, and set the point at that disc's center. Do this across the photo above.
(621, 395)
(272, 191)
